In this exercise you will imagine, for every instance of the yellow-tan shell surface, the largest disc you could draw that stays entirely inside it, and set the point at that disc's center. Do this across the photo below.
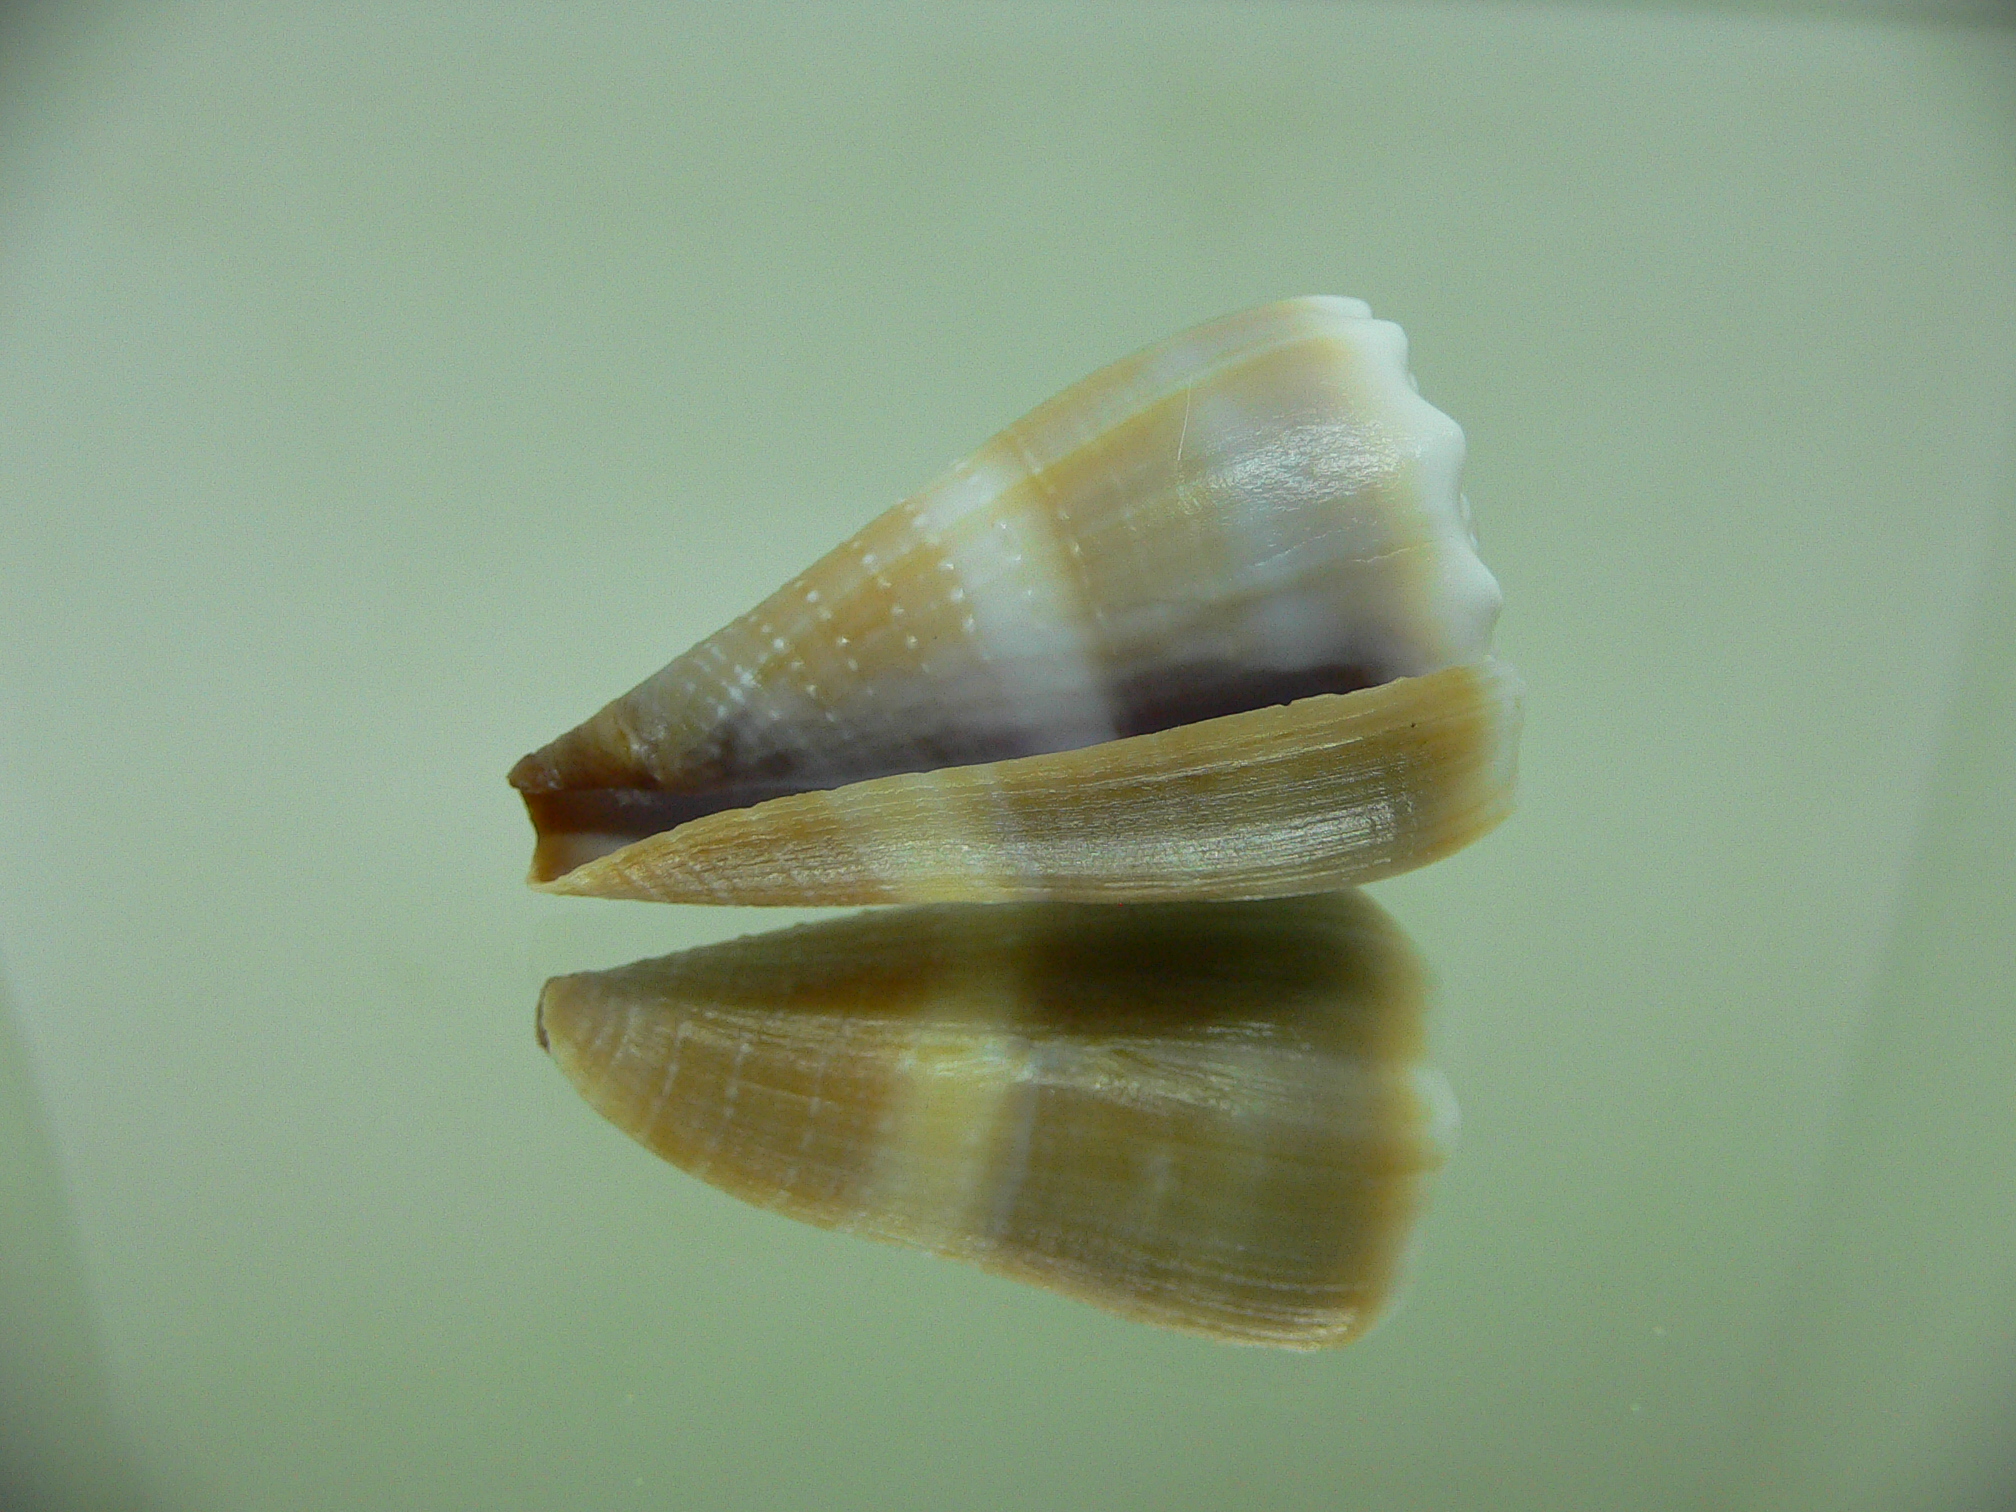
(1209, 624)
(1213, 1117)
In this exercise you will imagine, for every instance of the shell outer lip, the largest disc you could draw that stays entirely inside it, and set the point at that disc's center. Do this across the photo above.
(1326, 792)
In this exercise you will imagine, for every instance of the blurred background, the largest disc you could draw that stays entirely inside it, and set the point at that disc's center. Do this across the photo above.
(384, 387)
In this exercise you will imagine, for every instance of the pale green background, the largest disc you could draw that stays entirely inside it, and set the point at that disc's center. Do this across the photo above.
(379, 394)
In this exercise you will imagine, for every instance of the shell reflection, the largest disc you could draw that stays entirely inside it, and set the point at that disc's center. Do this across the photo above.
(1210, 1116)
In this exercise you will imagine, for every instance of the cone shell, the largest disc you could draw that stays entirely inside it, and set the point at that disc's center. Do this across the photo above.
(1208, 1116)
(1242, 548)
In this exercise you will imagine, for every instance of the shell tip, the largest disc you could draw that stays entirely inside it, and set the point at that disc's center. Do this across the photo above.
(527, 774)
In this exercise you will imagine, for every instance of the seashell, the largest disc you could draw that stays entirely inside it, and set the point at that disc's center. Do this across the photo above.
(1209, 1116)
(1209, 624)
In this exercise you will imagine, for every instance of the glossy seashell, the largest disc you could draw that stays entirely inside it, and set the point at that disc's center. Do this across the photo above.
(1209, 1116)
(1209, 624)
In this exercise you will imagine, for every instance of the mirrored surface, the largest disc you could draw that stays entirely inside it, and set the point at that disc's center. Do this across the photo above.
(1211, 1117)
(379, 392)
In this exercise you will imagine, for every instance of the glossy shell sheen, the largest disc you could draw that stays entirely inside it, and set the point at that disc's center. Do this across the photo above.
(1209, 1116)
(1208, 624)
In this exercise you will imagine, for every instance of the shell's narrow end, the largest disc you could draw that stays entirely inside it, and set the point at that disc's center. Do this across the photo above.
(575, 825)
(557, 1019)
(572, 829)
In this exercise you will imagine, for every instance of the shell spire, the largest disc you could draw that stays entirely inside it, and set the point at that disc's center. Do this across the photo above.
(1261, 512)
